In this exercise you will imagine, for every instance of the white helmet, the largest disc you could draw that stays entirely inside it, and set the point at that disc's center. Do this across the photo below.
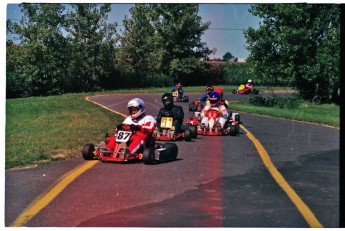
(249, 80)
(136, 102)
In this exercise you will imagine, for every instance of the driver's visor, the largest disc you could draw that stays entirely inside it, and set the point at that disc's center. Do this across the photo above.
(133, 110)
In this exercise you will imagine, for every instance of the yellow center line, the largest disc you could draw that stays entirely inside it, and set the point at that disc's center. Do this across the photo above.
(301, 206)
(45, 198)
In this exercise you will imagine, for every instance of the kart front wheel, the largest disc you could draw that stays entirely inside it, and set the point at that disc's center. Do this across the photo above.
(234, 91)
(187, 134)
(148, 156)
(87, 151)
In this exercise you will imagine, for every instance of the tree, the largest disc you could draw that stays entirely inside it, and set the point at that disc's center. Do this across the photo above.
(297, 43)
(42, 50)
(227, 56)
(162, 38)
(91, 47)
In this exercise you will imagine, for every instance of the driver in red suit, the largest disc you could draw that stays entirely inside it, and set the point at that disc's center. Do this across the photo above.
(214, 105)
(141, 124)
(249, 85)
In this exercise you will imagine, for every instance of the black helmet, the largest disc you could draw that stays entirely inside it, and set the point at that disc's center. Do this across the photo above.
(168, 100)
(209, 88)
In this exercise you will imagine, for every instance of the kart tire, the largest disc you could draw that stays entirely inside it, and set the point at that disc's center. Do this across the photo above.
(173, 148)
(255, 92)
(148, 156)
(87, 151)
(237, 128)
(237, 118)
(233, 130)
(193, 130)
(187, 134)
(234, 91)
(185, 99)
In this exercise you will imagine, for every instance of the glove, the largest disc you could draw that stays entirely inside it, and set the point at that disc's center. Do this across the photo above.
(134, 127)
(119, 127)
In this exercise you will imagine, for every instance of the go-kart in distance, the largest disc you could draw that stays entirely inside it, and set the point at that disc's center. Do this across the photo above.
(183, 98)
(243, 90)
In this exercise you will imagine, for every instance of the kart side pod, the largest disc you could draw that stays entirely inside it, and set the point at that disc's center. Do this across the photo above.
(165, 153)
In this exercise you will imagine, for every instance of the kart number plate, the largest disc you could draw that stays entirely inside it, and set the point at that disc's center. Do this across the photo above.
(166, 122)
(174, 93)
(123, 136)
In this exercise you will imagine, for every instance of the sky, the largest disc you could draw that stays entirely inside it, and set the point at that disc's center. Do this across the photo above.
(225, 33)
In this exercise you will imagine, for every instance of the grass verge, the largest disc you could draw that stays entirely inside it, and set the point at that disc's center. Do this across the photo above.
(40, 130)
(328, 114)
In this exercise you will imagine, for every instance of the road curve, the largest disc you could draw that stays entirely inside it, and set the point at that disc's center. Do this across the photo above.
(216, 182)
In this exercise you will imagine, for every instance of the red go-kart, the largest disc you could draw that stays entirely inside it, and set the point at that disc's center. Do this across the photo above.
(167, 131)
(231, 127)
(184, 98)
(149, 153)
(245, 91)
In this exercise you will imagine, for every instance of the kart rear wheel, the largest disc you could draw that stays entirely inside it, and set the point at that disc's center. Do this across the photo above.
(148, 156)
(87, 151)
(255, 92)
(233, 130)
(173, 148)
(237, 117)
(237, 128)
(187, 134)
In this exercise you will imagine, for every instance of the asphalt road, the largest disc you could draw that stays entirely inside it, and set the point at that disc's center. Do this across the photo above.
(216, 181)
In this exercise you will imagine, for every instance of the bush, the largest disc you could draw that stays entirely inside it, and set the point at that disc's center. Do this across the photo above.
(276, 101)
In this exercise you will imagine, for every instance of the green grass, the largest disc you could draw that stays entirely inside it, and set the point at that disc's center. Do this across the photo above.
(328, 114)
(46, 129)
(41, 130)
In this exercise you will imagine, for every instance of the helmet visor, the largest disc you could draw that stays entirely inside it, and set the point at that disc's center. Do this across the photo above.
(133, 110)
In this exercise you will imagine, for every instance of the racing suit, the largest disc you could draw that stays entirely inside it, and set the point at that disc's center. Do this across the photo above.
(145, 126)
(223, 114)
(176, 112)
(249, 86)
(204, 98)
(180, 92)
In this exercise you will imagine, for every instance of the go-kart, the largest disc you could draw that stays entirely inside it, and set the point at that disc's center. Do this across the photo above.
(242, 90)
(231, 126)
(167, 131)
(150, 153)
(183, 98)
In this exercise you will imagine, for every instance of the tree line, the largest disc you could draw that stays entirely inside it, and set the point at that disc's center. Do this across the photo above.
(76, 48)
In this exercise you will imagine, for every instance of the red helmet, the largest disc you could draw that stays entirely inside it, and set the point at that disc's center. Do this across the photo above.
(220, 91)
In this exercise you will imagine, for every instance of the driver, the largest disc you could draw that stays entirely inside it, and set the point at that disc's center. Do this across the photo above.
(214, 105)
(170, 110)
(141, 124)
(249, 85)
(179, 90)
(205, 97)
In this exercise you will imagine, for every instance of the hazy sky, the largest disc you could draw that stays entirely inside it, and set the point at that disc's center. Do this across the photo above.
(225, 32)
